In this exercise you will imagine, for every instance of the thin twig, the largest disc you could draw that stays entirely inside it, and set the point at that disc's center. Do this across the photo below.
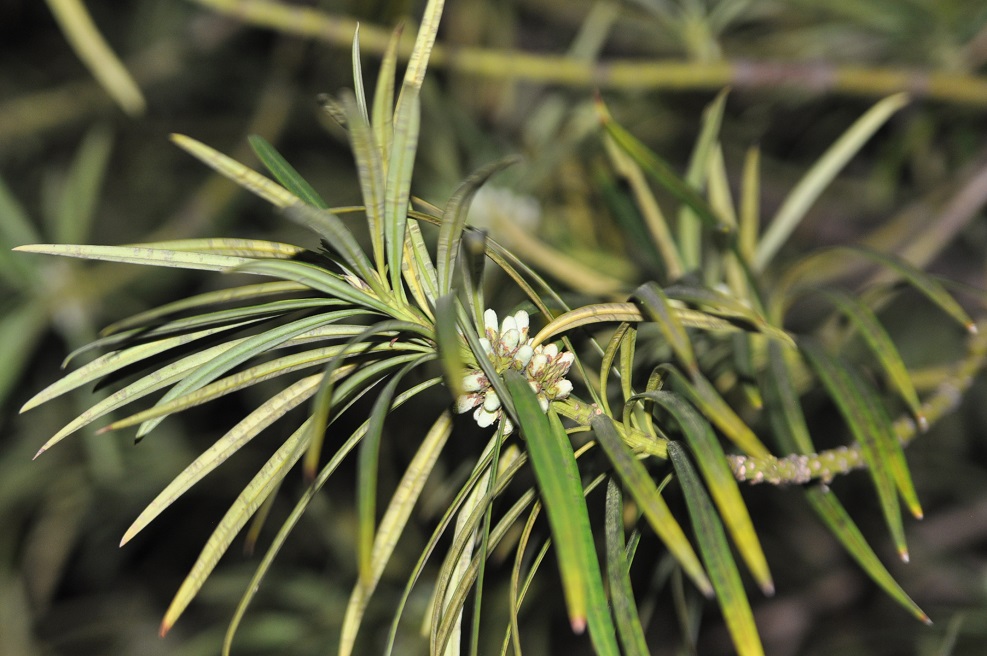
(626, 74)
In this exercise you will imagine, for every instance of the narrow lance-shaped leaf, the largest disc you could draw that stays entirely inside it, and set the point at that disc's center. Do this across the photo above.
(831, 511)
(383, 105)
(284, 172)
(816, 179)
(370, 170)
(716, 555)
(663, 173)
(400, 167)
(340, 239)
(883, 348)
(367, 469)
(621, 592)
(635, 478)
(245, 430)
(656, 305)
(721, 482)
(394, 520)
(140, 255)
(259, 488)
(866, 429)
(703, 394)
(245, 177)
(454, 219)
(562, 494)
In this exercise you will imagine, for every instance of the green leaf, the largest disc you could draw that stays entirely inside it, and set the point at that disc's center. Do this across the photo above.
(245, 430)
(238, 354)
(621, 592)
(370, 170)
(721, 482)
(337, 236)
(243, 176)
(831, 511)
(642, 487)
(140, 255)
(881, 345)
(703, 394)
(292, 520)
(400, 167)
(454, 219)
(663, 174)
(867, 429)
(794, 208)
(284, 172)
(655, 304)
(392, 524)
(319, 279)
(449, 343)
(716, 555)
(558, 479)
(112, 362)
(366, 486)
(253, 495)
(383, 107)
(781, 404)
(218, 297)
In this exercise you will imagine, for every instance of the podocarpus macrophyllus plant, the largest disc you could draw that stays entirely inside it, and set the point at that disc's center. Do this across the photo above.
(667, 394)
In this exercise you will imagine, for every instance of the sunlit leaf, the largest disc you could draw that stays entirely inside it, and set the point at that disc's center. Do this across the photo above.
(259, 488)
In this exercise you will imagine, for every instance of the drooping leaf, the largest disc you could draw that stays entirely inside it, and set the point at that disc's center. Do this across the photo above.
(621, 592)
(253, 495)
(703, 394)
(562, 493)
(245, 430)
(721, 482)
(717, 557)
(881, 345)
(831, 511)
(846, 391)
(635, 478)
(655, 304)
(366, 487)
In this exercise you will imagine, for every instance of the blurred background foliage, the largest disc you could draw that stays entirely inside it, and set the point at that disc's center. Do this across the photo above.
(80, 164)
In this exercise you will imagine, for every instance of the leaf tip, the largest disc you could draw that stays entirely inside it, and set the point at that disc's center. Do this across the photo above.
(970, 326)
(165, 627)
(767, 588)
(40, 451)
(903, 553)
(578, 625)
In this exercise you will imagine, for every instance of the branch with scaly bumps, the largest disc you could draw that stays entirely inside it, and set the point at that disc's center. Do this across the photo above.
(826, 465)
